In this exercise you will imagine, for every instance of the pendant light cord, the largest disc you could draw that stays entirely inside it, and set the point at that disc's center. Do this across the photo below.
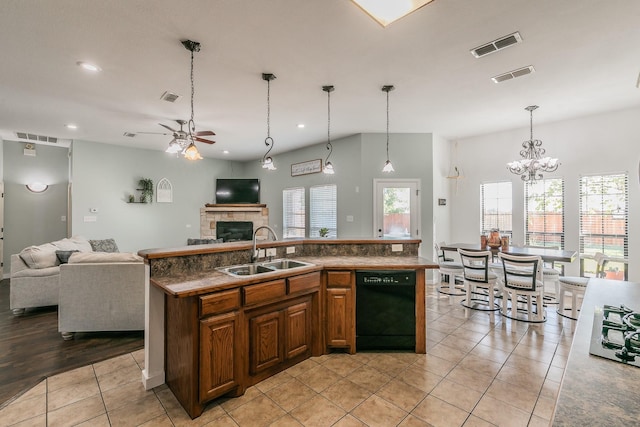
(192, 125)
(387, 125)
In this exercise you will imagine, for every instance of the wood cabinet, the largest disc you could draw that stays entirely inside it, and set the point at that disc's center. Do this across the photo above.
(222, 342)
(340, 310)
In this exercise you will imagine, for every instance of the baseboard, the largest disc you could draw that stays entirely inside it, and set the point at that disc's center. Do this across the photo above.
(152, 381)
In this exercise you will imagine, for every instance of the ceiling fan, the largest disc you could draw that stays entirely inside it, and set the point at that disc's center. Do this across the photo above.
(181, 135)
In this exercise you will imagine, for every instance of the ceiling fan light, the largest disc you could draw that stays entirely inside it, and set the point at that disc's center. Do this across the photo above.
(192, 153)
(174, 147)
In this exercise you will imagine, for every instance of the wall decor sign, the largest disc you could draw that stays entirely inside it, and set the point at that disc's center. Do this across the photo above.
(305, 168)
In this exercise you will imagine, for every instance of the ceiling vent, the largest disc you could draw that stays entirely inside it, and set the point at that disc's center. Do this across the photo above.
(513, 74)
(36, 138)
(129, 134)
(169, 96)
(497, 45)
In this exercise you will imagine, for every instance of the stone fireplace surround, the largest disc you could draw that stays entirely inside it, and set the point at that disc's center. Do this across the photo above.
(211, 214)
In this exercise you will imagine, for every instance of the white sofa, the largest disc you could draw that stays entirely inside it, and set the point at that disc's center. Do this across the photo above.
(34, 279)
(101, 292)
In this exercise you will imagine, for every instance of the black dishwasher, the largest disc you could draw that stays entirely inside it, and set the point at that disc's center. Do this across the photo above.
(385, 309)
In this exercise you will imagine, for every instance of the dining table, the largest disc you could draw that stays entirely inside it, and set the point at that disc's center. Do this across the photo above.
(547, 254)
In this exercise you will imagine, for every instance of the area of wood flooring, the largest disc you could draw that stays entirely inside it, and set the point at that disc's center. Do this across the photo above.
(31, 348)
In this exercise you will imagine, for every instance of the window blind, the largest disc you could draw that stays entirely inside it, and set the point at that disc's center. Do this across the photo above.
(604, 219)
(323, 210)
(496, 207)
(544, 210)
(293, 212)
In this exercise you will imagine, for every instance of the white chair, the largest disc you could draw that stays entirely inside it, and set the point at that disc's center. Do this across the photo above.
(477, 275)
(550, 277)
(577, 286)
(523, 281)
(450, 270)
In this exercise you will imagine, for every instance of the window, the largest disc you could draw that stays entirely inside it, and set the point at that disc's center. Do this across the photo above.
(544, 210)
(323, 210)
(293, 212)
(604, 222)
(495, 200)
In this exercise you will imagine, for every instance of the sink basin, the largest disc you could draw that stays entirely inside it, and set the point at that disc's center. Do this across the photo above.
(283, 264)
(263, 267)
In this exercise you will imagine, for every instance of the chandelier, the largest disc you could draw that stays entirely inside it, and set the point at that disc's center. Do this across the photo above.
(388, 167)
(328, 166)
(267, 160)
(532, 164)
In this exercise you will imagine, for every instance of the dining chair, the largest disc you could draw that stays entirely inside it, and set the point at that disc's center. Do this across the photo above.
(550, 276)
(449, 270)
(478, 276)
(522, 282)
(576, 287)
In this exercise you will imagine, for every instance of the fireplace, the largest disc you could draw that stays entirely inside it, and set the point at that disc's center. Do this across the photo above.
(212, 215)
(233, 231)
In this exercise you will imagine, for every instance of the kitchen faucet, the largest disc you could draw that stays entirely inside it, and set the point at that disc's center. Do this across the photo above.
(254, 255)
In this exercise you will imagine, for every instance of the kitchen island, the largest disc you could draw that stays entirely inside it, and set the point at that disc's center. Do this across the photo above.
(209, 333)
(596, 391)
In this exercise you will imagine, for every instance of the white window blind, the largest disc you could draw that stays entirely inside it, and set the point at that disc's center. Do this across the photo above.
(604, 221)
(293, 212)
(323, 210)
(544, 210)
(496, 207)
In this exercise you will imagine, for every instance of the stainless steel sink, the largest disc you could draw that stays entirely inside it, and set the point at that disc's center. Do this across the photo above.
(253, 269)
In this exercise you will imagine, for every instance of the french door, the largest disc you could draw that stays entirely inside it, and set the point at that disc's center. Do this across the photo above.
(396, 208)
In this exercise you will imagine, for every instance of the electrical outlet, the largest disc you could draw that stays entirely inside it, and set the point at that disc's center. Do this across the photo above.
(271, 252)
(396, 247)
(260, 253)
(291, 250)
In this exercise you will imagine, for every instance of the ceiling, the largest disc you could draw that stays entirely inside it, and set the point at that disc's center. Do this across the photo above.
(584, 53)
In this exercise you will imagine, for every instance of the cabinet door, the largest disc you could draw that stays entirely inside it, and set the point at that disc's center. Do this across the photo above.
(298, 329)
(219, 367)
(340, 327)
(265, 346)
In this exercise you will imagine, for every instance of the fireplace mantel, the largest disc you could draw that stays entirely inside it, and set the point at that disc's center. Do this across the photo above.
(212, 213)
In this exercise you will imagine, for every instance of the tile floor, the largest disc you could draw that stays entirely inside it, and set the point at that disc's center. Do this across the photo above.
(480, 370)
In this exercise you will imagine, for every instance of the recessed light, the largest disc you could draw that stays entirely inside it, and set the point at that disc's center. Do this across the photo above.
(225, 152)
(300, 125)
(88, 66)
(71, 126)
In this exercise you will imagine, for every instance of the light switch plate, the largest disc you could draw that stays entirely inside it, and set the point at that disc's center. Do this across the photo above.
(349, 218)
(396, 247)
(89, 218)
(260, 253)
(291, 249)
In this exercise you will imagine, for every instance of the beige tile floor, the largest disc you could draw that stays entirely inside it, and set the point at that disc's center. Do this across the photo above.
(480, 370)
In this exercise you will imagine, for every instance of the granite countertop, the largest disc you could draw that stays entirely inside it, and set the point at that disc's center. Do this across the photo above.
(595, 390)
(201, 282)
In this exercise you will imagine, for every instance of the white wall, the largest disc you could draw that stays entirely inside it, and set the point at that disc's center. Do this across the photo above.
(104, 175)
(605, 143)
(441, 190)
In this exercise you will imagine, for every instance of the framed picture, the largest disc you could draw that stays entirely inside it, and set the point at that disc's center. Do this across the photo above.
(305, 168)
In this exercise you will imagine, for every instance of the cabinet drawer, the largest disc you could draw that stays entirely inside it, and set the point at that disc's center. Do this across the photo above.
(263, 292)
(304, 282)
(338, 279)
(219, 302)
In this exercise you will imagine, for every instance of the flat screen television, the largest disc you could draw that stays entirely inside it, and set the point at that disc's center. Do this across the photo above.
(237, 191)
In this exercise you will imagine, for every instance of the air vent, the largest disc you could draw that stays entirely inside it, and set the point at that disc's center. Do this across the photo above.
(37, 138)
(129, 134)
(496, 45)
(513, 74)
(169, 97)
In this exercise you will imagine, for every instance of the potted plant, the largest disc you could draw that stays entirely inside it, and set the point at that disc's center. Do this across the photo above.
(324, 232)
(146, 189)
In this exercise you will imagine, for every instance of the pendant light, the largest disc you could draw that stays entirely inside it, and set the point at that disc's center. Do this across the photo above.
(388, 167)
(328, 166)
(267, 161)
(191, 152)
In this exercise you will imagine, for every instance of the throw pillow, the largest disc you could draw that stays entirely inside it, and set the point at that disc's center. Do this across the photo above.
(104, 245)
(42, 256)
(203, 241)
(63, 256)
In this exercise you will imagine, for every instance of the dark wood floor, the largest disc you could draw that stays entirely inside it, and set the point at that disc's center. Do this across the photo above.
(31, 348)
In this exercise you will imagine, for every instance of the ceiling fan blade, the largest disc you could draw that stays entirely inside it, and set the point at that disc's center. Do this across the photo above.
(167, 127)
(206, 141)
(205, 133)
